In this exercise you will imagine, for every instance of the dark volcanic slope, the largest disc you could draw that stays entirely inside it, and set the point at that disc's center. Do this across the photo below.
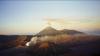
(82, 46)
(10, 41)
(6, 38)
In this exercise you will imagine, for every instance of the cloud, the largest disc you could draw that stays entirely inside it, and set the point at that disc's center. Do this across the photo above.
(61, 21)
(75, 22)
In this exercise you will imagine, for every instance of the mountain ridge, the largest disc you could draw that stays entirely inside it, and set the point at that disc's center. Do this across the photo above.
(52, 31)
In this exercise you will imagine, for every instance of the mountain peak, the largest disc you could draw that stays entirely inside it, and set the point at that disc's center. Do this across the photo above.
(48, 31)
(49, 28)
(51, 31)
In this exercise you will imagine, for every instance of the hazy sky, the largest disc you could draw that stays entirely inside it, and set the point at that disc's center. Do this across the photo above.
(32, 16)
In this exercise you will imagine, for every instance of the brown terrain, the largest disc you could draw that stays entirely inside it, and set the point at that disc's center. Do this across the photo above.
(66, 44)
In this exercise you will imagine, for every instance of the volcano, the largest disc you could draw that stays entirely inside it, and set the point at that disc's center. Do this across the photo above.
(50, 31)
